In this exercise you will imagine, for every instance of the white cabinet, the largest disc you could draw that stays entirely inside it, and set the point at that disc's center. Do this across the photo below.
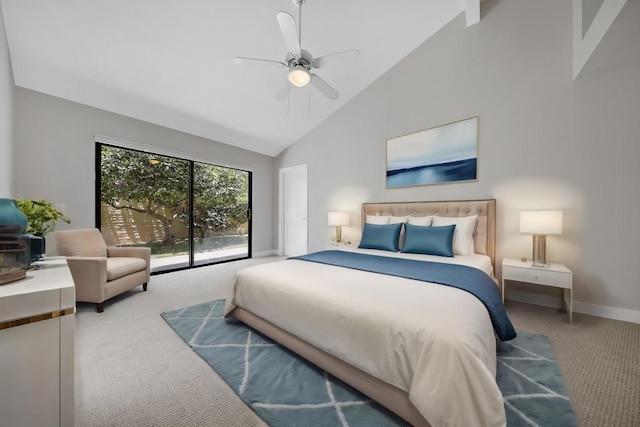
(37, 348)
(556, 275)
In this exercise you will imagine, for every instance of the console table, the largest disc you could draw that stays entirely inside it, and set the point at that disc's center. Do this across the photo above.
(37, 346)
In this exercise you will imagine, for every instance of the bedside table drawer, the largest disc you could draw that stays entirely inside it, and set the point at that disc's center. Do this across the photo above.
(537, 276)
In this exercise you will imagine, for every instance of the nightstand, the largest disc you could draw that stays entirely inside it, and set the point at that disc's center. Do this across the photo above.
(557, 275)
(338, 246)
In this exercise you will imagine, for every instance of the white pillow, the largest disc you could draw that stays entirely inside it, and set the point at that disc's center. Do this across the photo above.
(397, 219)
(424, 221)
(462, 235)
(378, 219)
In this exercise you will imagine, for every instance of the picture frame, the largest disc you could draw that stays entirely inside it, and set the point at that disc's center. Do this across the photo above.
(444, 154)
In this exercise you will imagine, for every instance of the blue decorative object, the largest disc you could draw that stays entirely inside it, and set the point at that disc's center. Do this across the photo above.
(286, 390)
(381, 236)
(429, 240)
(36, 245)
(469, 279)
(12, 220)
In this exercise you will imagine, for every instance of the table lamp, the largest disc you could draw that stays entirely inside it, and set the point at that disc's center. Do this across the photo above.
(540, 223)
(338, 219)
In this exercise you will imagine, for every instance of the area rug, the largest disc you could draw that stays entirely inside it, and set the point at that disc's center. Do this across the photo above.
(285, 390)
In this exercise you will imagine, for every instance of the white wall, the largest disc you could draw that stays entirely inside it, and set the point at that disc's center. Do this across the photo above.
(55, 157)
(545, 142)
(7, 111)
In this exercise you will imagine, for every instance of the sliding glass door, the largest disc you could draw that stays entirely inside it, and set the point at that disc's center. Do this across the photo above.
(189, 213)
(220, 213)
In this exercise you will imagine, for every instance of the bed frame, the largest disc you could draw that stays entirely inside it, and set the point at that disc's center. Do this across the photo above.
(391, 397)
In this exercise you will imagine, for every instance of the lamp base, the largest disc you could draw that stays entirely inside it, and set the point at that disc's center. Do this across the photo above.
(338, 233)
(540, 251)
(540, 265)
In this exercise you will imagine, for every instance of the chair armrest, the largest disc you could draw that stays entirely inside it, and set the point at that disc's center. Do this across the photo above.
(90, 276)
(137, 252)
(114, 251)
(99, 259)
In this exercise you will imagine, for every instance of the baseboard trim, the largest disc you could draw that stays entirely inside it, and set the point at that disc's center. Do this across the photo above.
(265, 253)
(605, 311)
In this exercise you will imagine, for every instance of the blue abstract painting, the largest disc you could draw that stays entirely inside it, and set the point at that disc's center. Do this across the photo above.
(442, 154)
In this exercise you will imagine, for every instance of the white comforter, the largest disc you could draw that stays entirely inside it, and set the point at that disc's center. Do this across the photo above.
(434, 342)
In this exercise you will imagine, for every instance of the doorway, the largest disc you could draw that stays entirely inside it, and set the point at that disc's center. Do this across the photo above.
(293, 238)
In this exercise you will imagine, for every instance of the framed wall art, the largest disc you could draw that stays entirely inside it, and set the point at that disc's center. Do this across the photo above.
(444, 154)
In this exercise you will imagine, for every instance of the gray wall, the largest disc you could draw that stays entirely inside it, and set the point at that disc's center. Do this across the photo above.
(7, 109)
(546, 141)
(55, 157)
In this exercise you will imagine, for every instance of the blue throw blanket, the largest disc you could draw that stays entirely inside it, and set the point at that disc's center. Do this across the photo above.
(469, 279)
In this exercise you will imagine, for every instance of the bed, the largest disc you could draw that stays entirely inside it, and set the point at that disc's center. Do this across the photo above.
(423, 350)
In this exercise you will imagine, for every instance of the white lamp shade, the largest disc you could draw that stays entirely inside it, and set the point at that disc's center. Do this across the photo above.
(338, 218)
(299, 76)
(541, 222)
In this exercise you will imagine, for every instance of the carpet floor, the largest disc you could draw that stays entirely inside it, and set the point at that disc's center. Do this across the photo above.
(131, 370)
(284, 389)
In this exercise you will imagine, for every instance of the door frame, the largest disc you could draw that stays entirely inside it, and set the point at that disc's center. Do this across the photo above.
(281, 203)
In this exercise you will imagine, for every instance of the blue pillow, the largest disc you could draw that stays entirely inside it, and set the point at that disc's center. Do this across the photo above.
(429, 240)
(384, 237)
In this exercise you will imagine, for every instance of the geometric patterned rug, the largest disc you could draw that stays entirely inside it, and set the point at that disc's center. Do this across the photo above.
(531, 385)
(286, 390)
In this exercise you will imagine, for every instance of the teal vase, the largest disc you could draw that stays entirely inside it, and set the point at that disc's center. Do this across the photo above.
(12, 220)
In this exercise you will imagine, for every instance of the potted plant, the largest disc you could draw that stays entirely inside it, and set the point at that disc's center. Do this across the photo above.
(42, 216)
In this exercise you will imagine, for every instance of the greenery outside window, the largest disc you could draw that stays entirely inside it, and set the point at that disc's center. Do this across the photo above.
(190, 213)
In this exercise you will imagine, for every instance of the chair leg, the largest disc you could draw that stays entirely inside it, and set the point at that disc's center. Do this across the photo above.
(144, 287)
(99, 307)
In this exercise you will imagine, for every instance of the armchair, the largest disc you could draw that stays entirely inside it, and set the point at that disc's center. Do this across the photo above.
(100, 272)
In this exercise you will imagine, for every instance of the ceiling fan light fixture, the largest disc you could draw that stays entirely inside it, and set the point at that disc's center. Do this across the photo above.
(299, 76)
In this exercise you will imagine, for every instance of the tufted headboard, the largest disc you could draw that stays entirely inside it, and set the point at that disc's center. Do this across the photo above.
(484, 235)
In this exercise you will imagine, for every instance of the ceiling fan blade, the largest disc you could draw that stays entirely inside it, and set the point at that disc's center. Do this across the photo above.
(289, 33)
(283, 91)
(324, 87)
(243, 60)
(324, 60)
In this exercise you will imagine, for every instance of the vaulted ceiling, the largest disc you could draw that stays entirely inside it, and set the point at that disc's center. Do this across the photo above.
(170, 62)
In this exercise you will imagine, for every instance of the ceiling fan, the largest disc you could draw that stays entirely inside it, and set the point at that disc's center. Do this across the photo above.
(300, 63)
